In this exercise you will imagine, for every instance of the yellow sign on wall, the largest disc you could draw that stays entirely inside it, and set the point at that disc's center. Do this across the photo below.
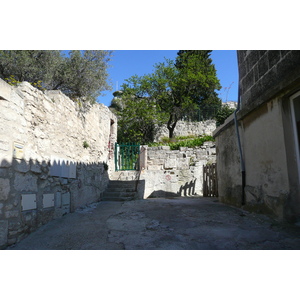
(18, 150)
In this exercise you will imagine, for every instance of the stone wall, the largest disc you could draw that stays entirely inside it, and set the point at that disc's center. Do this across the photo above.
(184, 128)
(54, 155)
(265, 73)
(173, 173)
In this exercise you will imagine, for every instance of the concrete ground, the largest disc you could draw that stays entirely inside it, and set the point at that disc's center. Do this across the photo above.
(162, 224)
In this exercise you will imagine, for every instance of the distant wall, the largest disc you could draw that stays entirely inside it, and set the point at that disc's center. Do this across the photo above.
(184, 128)
(45, 170)
(175, 172)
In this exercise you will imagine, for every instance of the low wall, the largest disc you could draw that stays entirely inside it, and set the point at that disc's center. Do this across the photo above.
(173, 173)
(184, 128)
(54, 157)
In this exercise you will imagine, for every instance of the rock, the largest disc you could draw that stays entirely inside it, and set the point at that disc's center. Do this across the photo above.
(25, 182)
(21, 166)
(4, 188)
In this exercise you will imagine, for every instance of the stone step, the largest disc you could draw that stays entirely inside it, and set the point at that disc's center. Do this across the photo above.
(114, 194)
(118, 190)
(122, 184)
(121, 189)
(121, 199)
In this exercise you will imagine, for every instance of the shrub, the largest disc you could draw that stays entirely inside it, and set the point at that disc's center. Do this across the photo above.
(188, 142)
(85, 144)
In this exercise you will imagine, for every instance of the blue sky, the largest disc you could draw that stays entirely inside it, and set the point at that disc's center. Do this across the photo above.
(126, 63)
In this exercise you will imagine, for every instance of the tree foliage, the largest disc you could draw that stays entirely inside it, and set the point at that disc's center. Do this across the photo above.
(138, 116)
(174, 90)
(80, 74)
(224, 112)
(199, 81)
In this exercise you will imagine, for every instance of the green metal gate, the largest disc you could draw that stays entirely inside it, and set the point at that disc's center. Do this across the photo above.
(127, 156)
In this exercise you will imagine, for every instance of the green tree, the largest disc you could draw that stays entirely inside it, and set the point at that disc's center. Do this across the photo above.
(138, 114)
(136, 123)
(30, 65)
(80, 74)
(85, 74)
(200, 82)
(178, 89)
(224, 112)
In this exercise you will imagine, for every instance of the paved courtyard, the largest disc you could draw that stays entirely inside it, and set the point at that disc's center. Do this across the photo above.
(162, 224)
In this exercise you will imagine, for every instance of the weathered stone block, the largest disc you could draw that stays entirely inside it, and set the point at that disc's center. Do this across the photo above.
(4, 188)
(12, 214)
(165, 148)
(183, 164)
(25, 182)
(36, 168)
(3, 233)
(154, 168)
(4, 145)
(5, 90)
(170, 163)
(21, 166)
(5, 163)
(158, 162)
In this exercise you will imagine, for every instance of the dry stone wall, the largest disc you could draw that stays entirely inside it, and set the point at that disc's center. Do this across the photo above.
(173, 173)
(184, 128)
(54, 156)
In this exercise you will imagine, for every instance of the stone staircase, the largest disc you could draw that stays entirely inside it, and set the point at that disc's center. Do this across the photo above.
(121, 187)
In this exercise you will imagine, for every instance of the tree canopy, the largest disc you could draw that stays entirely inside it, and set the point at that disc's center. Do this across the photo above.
(176, 89)
(80, 74)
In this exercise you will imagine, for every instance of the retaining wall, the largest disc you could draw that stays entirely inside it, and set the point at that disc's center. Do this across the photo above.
(173, 173)
(54, 156)
(184, 128)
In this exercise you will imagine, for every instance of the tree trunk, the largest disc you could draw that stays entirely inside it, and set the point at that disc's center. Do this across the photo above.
(171, 125)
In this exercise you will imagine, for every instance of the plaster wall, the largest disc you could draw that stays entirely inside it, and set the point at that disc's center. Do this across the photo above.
(267, 187)
(265, 159)
(228, 165)
(267, 80)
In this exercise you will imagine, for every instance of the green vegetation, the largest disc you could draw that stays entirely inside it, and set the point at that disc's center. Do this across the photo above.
(224, 112)
(174, 91)
(189, 142)
(80, 74)
(137, 120)
(85, 145)
(12, 81)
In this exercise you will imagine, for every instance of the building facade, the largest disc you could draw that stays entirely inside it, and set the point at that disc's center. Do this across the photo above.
(258, 160)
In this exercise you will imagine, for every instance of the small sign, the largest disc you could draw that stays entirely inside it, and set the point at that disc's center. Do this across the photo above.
(18, 152)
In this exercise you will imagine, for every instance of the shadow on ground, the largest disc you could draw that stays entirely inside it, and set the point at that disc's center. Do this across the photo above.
(163, 224)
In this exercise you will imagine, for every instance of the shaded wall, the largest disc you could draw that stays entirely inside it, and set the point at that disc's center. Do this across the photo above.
(267, 81)
(54, 156)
